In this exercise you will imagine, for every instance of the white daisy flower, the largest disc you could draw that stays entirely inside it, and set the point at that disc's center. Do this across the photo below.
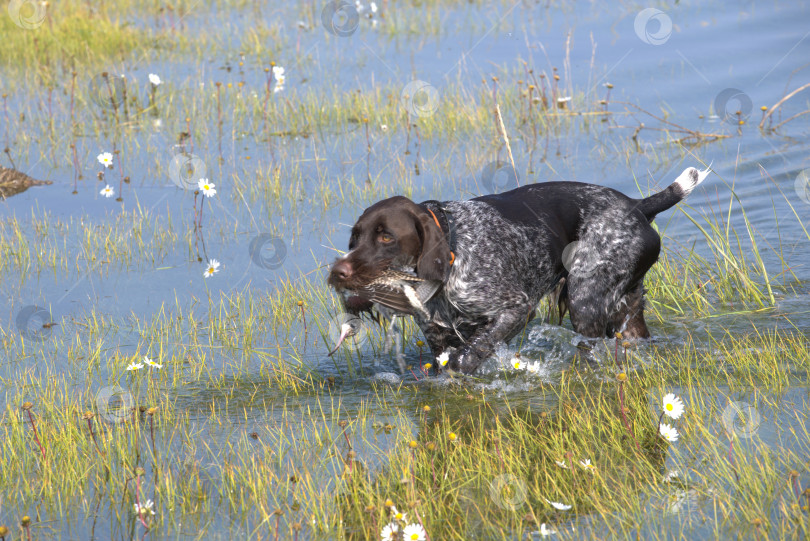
(398, 516)
(134, 366)
(671, 474)
(673, 406)
(278, 75)
(559, 506)
(389, 532)
(212, 268)
(107, 191)
(207, 187)
(586, 464)
(105, 159)
(545, 531)
(670, 433)
(358, 6)
(145, 507)
(154, 79)
(151, 363)
(517, 363)
(562, 464)
(533, 367)
(384, 127)
(443, 358)
(414, 532)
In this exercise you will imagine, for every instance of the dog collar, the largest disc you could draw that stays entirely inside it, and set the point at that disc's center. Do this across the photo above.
(450, 236)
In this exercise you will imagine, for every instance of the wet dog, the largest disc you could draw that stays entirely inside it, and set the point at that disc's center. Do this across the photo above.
(472, 272)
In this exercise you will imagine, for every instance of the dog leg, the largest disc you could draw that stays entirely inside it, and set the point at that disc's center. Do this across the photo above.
(482, 344)
(395, 343)
(629, 318)
(440, 340)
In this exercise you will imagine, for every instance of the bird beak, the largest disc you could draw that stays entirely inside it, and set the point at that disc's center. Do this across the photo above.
(346, 330)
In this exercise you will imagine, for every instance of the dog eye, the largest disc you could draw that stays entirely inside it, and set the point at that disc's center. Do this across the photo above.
(385, 238)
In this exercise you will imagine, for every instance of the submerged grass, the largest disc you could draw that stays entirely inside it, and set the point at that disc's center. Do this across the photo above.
(470, 464)
(245, 432)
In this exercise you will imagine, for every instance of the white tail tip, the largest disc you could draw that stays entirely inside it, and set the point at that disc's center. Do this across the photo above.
(690, 178)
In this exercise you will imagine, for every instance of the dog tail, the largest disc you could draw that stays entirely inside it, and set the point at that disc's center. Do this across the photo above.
(674, 193)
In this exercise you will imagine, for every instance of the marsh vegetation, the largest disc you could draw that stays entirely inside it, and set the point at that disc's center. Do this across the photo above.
(163, 347)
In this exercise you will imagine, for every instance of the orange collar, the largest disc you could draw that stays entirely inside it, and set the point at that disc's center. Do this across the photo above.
(452, 254)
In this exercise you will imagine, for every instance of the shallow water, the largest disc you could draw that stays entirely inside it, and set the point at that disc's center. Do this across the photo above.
(756, 49)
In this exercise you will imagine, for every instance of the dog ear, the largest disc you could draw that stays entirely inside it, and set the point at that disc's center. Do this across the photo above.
(434, 259)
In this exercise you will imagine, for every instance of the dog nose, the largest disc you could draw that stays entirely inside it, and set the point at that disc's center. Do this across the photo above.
(342, 270)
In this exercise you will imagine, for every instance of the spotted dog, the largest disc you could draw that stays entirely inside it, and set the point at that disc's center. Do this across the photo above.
(493, 258)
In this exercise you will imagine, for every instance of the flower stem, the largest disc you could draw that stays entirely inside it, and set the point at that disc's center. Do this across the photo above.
(624, 416)
(36, 434)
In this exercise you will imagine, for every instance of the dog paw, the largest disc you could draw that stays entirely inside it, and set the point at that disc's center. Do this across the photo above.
(465, 360)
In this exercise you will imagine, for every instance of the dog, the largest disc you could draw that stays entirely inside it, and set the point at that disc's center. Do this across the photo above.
(490, 260)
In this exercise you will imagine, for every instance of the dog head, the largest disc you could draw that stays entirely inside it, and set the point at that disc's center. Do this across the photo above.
(395, 233)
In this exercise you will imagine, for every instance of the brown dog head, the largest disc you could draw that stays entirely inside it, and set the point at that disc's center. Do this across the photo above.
(393, 233)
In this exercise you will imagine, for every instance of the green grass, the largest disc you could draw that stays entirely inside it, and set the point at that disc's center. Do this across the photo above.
(247, 454)
(70, 37)
(247, 438)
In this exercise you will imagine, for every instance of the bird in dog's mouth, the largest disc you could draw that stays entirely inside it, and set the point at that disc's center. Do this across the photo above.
(392, 293)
